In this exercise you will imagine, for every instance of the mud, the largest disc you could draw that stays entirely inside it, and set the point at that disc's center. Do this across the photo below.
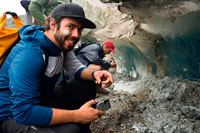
(164, 105)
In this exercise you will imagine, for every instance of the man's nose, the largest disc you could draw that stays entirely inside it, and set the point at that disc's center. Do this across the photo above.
(75, 33)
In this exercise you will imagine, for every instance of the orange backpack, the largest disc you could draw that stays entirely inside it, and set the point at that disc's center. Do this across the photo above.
(8, 36)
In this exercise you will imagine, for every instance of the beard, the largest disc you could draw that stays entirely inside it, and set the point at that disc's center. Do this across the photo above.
(60, 39)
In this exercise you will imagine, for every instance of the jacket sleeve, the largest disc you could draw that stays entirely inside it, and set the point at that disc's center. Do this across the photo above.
(91, 54)
(40, 9)
(72, 65)
(36, 10)
(25, 72)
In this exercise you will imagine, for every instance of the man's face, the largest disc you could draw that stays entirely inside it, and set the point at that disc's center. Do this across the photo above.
(107, 50)
(75, 28)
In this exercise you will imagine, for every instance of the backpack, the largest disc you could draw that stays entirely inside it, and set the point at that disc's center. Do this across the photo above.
(8, 36)
(79, 47)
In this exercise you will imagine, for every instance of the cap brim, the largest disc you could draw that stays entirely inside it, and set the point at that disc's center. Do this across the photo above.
(86, 22)
(112, 50)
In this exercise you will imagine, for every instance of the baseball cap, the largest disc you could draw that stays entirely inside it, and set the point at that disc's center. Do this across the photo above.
(72, 10)
(110, 44)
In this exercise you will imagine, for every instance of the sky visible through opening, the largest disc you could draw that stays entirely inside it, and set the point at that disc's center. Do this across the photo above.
(11, 5)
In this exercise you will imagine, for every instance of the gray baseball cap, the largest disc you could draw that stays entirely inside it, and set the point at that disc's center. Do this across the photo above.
(72, 10)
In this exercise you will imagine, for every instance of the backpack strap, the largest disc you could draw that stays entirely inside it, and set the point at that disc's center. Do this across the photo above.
(16, 19)
(46, 60)
(4, 89)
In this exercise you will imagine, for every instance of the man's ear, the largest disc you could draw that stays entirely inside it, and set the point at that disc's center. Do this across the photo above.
(52, 24)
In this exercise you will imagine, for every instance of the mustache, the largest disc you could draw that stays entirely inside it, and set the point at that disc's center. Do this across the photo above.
(72, 38)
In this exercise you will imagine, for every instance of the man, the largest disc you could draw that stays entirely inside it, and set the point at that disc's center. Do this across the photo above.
(25, 5)
(92, 55)
(40, 9)
(28, 100)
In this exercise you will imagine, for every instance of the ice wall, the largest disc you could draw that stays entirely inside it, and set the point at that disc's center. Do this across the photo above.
(160, 37)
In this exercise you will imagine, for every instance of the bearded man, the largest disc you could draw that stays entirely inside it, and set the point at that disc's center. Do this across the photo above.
(29, 100)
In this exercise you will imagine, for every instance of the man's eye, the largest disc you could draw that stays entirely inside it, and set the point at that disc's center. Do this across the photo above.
(70, 27)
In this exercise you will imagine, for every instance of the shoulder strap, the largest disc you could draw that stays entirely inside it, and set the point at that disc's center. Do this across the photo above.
(4, 89)
(42, 78)
(16, 19)
(46, 60)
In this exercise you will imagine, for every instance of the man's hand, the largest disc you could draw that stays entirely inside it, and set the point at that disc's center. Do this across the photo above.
(112, 64)
(86, 113)
(103, 77)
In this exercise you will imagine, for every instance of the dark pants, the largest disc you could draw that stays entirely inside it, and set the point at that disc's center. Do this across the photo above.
(25, 4)
(72, 96)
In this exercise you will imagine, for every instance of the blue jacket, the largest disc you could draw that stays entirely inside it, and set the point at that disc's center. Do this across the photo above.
(93, 54)
(21, 72)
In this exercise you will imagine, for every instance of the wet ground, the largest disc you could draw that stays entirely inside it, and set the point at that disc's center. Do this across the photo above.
(157, 105)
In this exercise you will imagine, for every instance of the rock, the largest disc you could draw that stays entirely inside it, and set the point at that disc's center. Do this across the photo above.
(149, 111)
